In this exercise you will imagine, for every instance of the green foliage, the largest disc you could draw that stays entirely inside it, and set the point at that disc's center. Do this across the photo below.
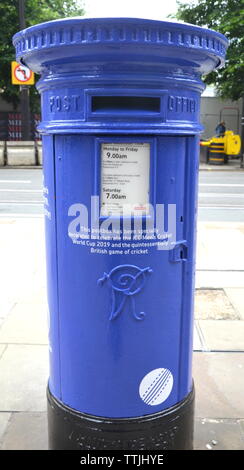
(227, 17)
(36, 11)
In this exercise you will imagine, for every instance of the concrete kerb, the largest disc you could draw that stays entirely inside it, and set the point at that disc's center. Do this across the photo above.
(39, 165)
(39, 152)
(231, 166)
(20, 154)
(21, 167)
(28, 154)
(2, 152)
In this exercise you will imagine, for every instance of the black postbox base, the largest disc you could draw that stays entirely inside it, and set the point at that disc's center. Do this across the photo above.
(171, 429)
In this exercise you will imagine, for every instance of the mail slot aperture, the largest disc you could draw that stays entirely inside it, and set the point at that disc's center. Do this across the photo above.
(125, 104)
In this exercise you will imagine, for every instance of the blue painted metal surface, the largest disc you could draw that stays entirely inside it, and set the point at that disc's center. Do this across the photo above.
(121, 316)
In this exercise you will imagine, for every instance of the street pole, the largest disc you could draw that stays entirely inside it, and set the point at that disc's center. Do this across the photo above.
(242, 133)
(24, 89)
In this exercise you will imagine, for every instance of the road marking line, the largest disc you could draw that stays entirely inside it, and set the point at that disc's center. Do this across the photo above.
(22, 203)
(9, 214)
(21, 190)
(221, 195)
(221, 207)
(16, 181)
(223, 184)
(221, 270)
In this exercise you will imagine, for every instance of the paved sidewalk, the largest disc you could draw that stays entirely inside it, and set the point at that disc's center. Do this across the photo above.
(218, 340)
(233, 164)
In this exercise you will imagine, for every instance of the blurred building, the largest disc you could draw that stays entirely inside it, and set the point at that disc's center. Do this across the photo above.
(11, 123)
(214, 110)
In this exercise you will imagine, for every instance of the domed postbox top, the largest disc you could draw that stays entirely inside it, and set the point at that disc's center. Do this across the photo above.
(113, 40)
(120, 74)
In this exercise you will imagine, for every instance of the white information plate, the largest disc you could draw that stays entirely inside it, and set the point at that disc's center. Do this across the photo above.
(125, 178)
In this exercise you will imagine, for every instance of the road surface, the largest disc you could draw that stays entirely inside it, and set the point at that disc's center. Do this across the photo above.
(221, 194)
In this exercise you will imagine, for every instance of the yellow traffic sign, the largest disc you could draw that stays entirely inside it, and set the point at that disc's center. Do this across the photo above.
(21, 75)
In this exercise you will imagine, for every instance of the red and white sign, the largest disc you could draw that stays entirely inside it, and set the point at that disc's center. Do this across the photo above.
(21, 75)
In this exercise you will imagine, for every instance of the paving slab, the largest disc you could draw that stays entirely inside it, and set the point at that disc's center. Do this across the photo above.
(219, 379)
(222, 335)
(219, 279)
(21, 240)
(241, 422)
(27, 323)
(218, 434)
(220, 254)
(26, 431)
(197, 344)
(220, 246)
(214, 304)
(35, 293)
(7, 302)
(236, 297)
(4, 420)
(24, 373)
(3, 347)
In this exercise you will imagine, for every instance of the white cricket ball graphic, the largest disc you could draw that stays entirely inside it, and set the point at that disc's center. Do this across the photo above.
(156, 386)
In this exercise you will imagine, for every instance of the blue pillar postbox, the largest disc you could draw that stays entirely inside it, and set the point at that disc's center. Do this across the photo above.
(120, 125)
